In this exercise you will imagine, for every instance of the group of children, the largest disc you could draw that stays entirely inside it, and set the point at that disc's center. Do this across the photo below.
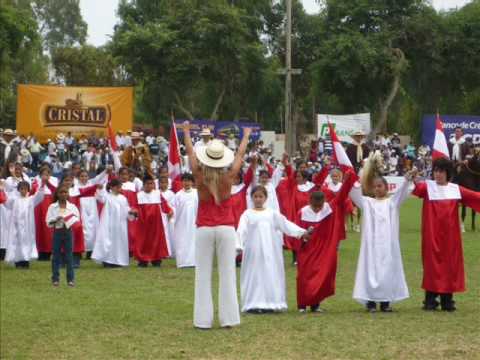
(115, 216)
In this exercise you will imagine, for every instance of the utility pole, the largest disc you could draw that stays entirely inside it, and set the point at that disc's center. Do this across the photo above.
(289, 146)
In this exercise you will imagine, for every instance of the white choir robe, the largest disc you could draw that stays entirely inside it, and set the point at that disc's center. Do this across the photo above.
(21, 244)
(168, 224)
(271, 186)
(262, 276)
(111, 243)
(185, 205)
(90, 219)
(380, 275)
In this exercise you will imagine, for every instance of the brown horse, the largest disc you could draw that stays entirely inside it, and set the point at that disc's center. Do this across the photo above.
(469, 177)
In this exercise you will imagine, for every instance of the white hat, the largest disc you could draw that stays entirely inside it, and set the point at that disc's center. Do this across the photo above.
(160, 139)
(135, 135)
(359, 133)
(8, 132)
(215, 154)
(60, 136)
(205, 132)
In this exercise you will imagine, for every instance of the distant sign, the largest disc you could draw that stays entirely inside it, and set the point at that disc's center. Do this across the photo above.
(220, 129)
(469, 124)
(345, 125)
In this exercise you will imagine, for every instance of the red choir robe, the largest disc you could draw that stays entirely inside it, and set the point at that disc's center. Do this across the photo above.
(239, 196)
(3, 197)
(43, 234)
(299, 195)
(317, 259)
(345, 208)
(129, 191)
(442, 251)
(150, 239)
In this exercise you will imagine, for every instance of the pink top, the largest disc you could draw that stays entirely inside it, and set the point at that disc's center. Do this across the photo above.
(211, 214)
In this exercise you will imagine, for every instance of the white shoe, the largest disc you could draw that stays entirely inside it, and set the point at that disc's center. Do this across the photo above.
(356, 228)
(462, 226)
(302, 311)
(318, 310)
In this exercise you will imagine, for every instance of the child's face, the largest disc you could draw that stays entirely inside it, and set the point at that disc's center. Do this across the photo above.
(263, 179)
(300, 179)
(123, 176)
(259, 199)
(131, 176)
(379, 188)
(76, 169)
(83, 177)
(440, 176)
(18, 171)
(148, 186)
(62, 194)
(68, 181)
(116, 189)
(336, 177)
(163, 184)
(24, 191)
(187, 184)
(316, 205)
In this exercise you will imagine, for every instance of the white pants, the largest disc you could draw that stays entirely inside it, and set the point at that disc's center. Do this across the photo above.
(221, 239)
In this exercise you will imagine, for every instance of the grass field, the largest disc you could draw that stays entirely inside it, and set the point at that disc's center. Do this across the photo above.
(147, 314)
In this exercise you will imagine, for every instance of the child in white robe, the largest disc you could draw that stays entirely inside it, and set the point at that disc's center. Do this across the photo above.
(168, 223)
(21, 245)
(262, 276)
(111, 243)
(185, 206)
(380, 277)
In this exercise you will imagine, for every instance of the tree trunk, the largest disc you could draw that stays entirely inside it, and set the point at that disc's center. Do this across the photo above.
(218, 103)
(181, 107)
(384, 104)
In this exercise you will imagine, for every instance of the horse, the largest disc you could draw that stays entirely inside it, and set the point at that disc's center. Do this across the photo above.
(468, 176)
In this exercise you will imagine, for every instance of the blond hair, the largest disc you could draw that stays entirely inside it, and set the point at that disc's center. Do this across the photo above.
(211, 178)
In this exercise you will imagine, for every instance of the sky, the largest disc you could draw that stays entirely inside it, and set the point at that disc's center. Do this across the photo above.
(101, 16)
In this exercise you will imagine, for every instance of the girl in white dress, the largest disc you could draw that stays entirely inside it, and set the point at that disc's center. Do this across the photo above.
(380, 277)
(262, 276)
(185, 205)
(21, 245)
(111, 243)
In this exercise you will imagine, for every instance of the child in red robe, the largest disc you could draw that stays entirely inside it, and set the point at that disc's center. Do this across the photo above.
(151, 244)
(442, 252)
(317, 258)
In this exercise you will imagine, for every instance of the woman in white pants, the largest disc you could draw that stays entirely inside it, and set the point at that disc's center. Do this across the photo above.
(215, 228)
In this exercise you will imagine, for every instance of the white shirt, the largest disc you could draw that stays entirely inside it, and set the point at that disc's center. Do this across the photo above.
(70, 215)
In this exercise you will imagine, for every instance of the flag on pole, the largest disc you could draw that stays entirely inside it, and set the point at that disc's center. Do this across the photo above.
(339, 154)
(173, 154)
(440, 148)
(111, 137)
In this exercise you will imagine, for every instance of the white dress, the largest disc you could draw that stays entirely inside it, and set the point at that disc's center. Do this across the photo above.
(21, 243)
(111, 243)
(262, 276)
(272, 200)
(168, 224)
(185, 205)
(380, 275)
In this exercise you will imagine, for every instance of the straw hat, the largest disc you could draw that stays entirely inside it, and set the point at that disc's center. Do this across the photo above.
(135, 135)
(60, 136)
(215, 154)
(8, 132)
(359, 133)
(205, 132)
(24, 152)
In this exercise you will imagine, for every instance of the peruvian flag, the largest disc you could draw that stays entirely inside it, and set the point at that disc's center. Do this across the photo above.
(339, 154)
(111, 137)
(440, 148)
(173, 154)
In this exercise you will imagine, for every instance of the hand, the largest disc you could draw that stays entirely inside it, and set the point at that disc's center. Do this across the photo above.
(247, 132)
(285, 159)
(186, 127)
(99, 186)
(44, 179)
(306, 237)
(170, 215)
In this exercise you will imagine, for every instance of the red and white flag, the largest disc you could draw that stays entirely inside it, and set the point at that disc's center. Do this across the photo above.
(173, 154)
(339, 154)
(111, 137)
(440, 147)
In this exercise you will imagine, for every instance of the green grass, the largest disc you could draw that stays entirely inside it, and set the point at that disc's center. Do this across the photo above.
(147, 314)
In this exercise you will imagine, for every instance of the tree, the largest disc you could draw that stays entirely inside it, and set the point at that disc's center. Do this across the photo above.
(21, 58)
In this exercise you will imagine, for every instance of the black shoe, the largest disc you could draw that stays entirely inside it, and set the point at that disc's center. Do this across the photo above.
(44, 256)
(430, 303)
(2, 254)
(371, 307)
(142, 264)
(255, 311)
(157, 263)
(88, 255)
(447, 303)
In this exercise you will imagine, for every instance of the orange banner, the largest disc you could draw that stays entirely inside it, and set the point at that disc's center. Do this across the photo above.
(45, 111)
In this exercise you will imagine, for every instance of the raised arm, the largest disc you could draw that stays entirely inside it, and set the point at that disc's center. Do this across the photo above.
(404, 190)
(470, 198)
(192, 159)
(348, 181)
(237, 162)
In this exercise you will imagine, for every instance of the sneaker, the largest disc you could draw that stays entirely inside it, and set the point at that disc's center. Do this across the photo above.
(462, 226)
(386, 309)
(55, 283)
(71, 284)
(356, 228)
(302, 311)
